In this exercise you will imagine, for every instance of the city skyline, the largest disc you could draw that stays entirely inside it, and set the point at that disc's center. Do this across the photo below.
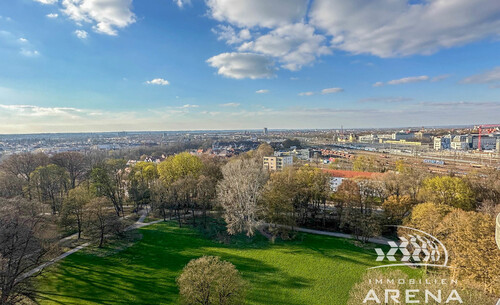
(123, 65)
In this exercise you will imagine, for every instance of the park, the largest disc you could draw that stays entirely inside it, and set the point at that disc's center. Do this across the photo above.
(311, 269)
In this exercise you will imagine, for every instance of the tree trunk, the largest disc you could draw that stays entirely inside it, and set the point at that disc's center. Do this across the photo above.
(205, 217)
(179, 217)
(102, 239)
(79, 223)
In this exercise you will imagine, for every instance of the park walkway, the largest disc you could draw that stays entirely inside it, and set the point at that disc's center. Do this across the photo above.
(138, 224)
(375, 240)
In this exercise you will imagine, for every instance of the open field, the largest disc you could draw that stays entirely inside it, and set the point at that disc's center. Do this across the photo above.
(311, 270)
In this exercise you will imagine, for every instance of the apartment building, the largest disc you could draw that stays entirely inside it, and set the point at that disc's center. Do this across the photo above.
(441, 143)
(277, 163)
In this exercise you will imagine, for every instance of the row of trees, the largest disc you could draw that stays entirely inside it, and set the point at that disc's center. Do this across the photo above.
(88, 195)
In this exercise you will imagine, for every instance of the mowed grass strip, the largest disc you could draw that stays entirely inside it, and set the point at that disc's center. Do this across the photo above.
(312, 269)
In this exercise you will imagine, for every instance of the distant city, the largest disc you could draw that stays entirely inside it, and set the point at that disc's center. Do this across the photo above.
(463, 146)
(481, 137)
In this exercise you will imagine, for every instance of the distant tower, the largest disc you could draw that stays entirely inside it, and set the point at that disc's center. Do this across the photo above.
(266, 132)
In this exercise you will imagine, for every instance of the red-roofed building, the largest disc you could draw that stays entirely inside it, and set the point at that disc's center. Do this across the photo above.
(338, 176)
(351, 174)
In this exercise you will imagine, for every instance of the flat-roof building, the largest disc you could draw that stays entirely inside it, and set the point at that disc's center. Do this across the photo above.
(277, 163)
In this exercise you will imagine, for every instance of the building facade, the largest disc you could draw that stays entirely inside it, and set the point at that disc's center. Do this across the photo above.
(277, 163)
(441, 143)
(402, 135)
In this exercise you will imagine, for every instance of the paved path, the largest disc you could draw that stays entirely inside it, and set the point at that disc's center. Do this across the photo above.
(378, 240)
(139, 224)
(52, 261)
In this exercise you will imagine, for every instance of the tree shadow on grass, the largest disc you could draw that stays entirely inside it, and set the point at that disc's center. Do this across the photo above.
(145, 273)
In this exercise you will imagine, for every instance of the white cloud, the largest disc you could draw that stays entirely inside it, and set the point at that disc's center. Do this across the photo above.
(182, 3)
(47, 1)
(487, 77)
(30, 118)
(105, 15)
(388, 28)
(187, 106)
(440, 78)
(81, 34)
(388, 99)
(262, 91)
(295, 45)
(324, 91)
(36, 111)
(158, 81)
(228, 34)
(264, 13)
(230, 105)
(378, 84)
(29, 52)
(52, 15)
(331, 90)
(242, 65)
(18, 44)
(411, 79)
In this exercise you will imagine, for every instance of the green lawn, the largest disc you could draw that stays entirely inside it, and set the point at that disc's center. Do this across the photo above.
(311, 270)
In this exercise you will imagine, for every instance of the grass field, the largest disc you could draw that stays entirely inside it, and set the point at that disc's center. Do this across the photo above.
(310, 270)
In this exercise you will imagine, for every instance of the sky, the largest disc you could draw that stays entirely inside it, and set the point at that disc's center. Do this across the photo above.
(130, 65)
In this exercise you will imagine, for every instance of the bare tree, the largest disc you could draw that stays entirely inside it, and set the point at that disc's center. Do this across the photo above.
(108, 180)
(23, 246)
(359, 211)
(22, 165)
(10, 185)
(101, 219)
(51, 184)
(239, 193)
(72, 214)
(205, 195)
(74, 162)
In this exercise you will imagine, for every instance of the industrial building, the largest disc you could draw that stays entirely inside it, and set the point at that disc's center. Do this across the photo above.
(401, 135)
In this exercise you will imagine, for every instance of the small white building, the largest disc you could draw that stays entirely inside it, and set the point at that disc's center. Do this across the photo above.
(371, 138)
(335, 182)
(460, 142)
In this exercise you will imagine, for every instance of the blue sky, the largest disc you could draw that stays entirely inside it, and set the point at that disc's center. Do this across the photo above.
(108, 65)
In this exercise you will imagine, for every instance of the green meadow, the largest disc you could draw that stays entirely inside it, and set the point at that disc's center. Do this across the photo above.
(311, 269)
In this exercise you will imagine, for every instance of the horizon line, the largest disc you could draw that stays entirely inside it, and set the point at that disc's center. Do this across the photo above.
(241, 130)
